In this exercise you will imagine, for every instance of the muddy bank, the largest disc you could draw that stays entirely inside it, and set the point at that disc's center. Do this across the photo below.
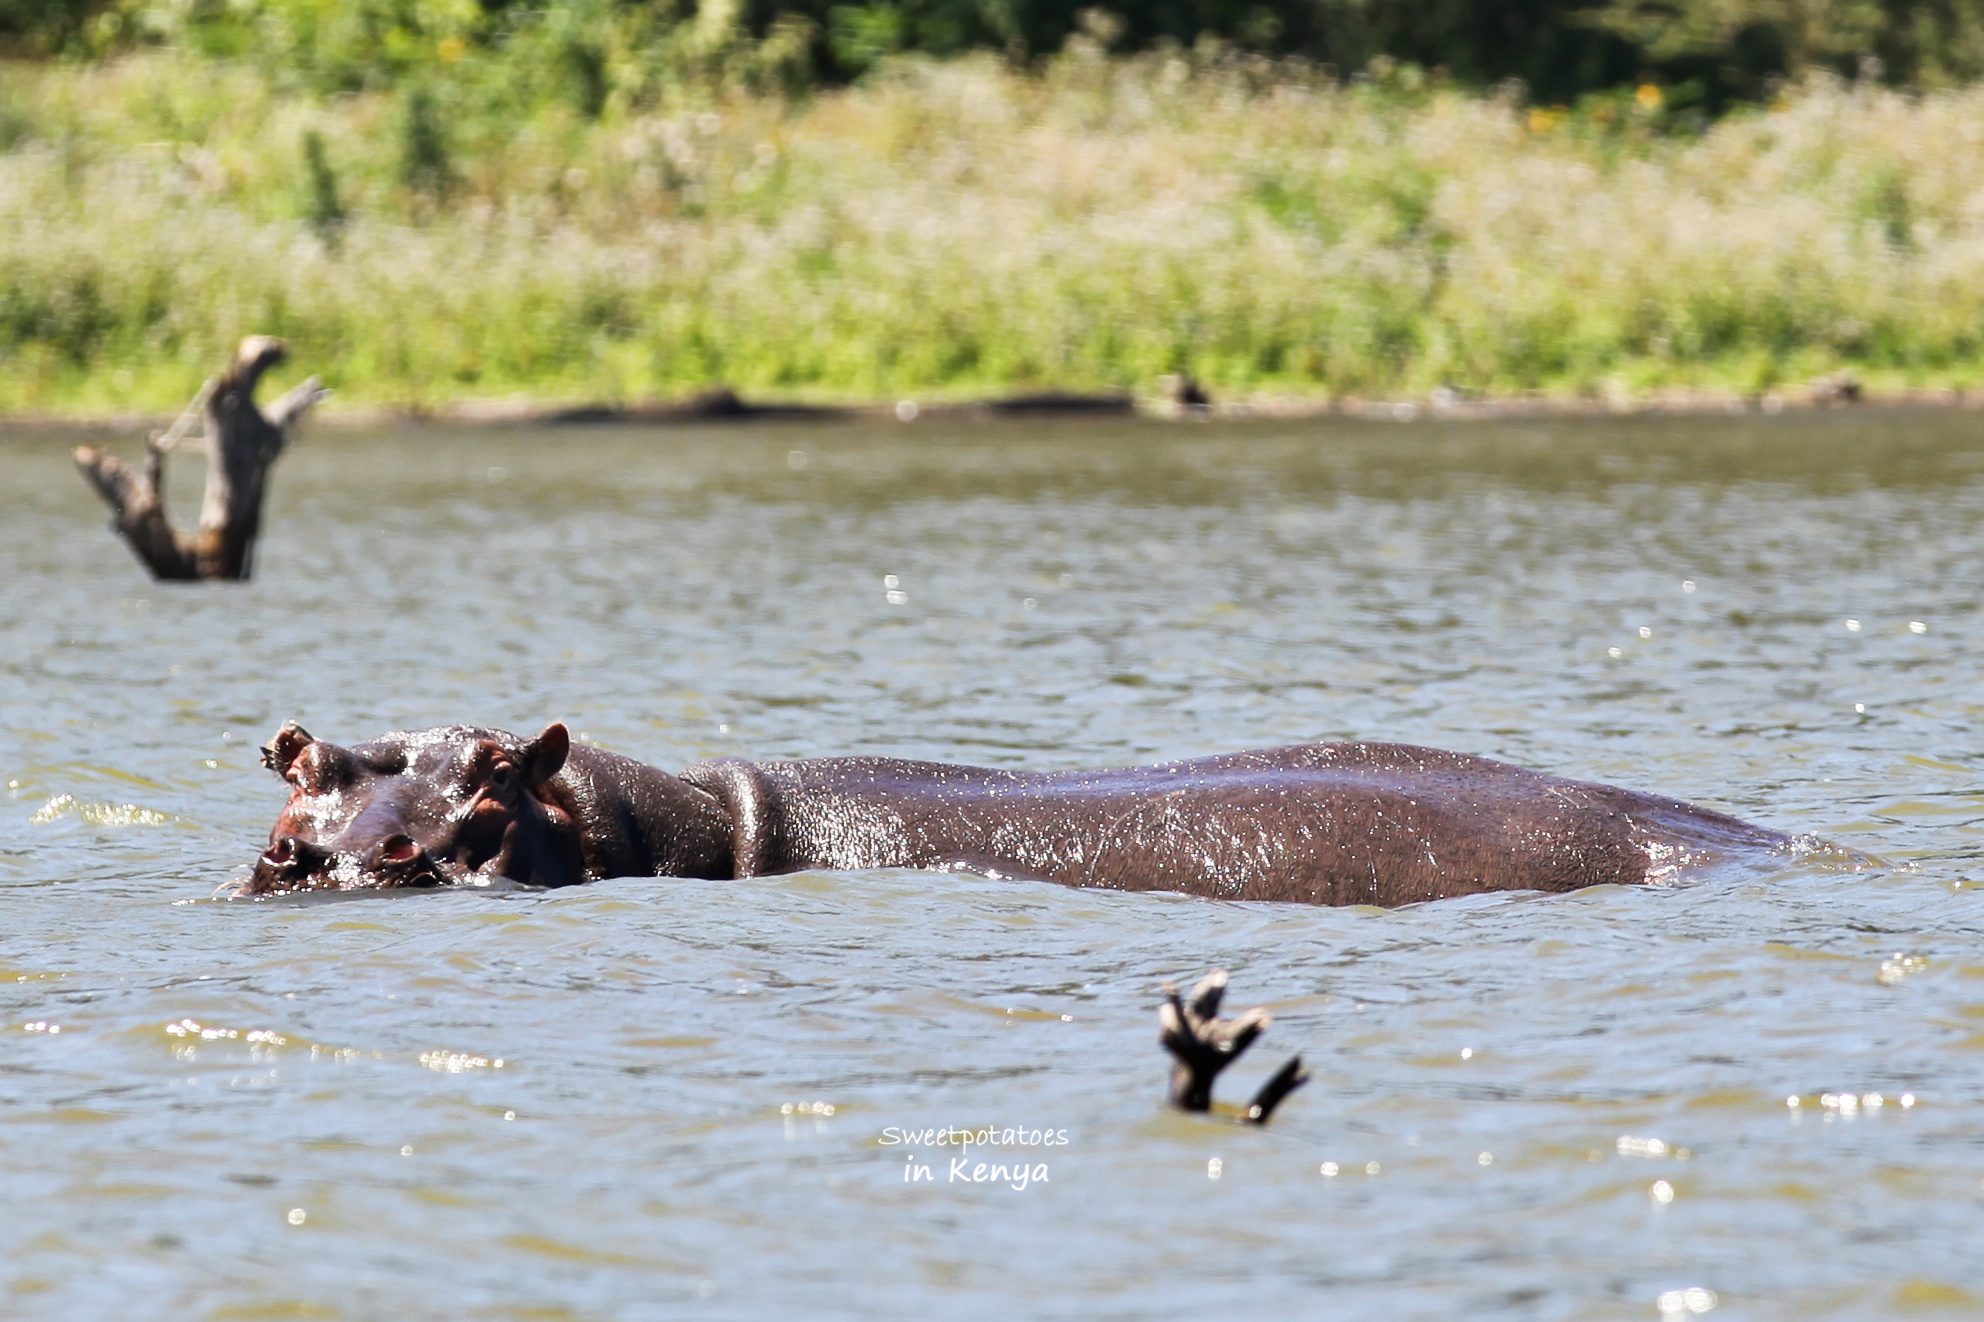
(724, 404)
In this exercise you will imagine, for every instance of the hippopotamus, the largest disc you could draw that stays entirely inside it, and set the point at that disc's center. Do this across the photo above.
(1323, 823)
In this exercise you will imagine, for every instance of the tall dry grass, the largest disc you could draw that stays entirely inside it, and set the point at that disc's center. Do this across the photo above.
(959, 227)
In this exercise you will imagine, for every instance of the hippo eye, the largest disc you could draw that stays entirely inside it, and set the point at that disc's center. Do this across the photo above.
(503, 776)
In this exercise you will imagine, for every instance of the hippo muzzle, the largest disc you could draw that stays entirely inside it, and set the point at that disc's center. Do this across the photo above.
(455, 807)
(373, 860)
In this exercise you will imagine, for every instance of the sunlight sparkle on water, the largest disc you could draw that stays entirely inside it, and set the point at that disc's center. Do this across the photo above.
(1694, 1299)
(1898, 967)
(97, 814)
(807, 1108)
(455, 1062)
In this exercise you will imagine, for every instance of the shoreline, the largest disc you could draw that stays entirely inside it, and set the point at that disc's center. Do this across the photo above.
(724, 406)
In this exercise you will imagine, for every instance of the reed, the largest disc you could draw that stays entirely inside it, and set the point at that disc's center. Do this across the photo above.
(957, 227)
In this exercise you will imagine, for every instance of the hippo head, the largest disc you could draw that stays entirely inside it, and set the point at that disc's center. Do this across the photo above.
(457, 806)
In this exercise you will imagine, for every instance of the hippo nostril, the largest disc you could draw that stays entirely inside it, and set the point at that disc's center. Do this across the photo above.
(398, 849)
(291, 854)
(288, 860)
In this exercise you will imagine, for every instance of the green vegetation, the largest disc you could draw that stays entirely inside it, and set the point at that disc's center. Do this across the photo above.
(595, 55)
(963, 226)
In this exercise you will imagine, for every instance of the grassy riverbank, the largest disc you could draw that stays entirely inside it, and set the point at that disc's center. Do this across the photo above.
(958, 228)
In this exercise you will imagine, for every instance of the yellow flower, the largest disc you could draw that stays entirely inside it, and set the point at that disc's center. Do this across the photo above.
(451, 49)
(1648, 96)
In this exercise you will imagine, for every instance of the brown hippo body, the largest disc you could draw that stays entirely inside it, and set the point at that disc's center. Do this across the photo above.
(1382, 824)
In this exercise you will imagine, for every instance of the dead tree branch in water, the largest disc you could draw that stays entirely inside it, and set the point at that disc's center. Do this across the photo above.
(1202, 1044)
(242, 445)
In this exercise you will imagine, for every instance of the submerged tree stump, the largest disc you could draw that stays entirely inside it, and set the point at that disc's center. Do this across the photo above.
(1202, 1044)
(242, 445)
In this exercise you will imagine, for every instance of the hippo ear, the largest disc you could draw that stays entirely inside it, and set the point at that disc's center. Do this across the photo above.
(544, 756)
(282, 750)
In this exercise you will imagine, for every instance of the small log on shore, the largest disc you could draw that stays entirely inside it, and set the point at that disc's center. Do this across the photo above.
(1048, 402)
(720, 404)
(242, 444)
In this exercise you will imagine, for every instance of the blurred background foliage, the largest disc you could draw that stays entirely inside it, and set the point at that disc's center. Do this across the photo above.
(595, 54)
(962, 227)
(603, 199)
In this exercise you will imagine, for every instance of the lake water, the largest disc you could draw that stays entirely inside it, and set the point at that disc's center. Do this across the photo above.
(613, 1102)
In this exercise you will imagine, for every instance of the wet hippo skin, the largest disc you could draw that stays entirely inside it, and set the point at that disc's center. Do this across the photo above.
(1358, 823)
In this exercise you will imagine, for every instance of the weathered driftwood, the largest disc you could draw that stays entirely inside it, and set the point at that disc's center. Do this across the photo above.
(723, 404)
(720, 404)
(1202, 1044)
(242, 444)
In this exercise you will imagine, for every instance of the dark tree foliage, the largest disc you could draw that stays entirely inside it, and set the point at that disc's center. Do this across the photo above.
(1558, 49)
(1712, 51)
(1706, 52)
(44, 27)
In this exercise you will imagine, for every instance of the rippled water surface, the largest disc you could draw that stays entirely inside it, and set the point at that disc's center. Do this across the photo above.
(613, 1102)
